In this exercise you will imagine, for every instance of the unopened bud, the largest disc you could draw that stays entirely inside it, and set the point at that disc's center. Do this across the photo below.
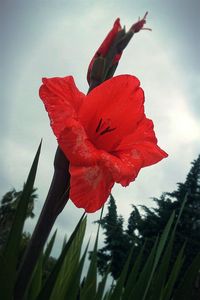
(98, 68)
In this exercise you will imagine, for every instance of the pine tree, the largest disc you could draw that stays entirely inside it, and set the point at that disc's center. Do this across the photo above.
(132, 227)
(189, 226)
(8, 207)
(116, 243)
(188, 229)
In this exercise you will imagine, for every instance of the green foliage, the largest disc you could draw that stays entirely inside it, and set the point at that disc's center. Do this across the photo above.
(8, 208)
(188, 228)
(11, 250)
(152, 280)
(143, 282)
(55, 278)
(145, 225)
(116, 245)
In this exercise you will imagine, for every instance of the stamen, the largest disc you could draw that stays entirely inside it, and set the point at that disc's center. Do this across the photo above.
(99, 125)
(108, 129)
(104, 127)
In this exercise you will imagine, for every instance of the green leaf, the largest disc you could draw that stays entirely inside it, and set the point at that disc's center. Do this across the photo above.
(49, 285)
(139, 292)
(186, 287)
(90, 282)
(74, 288)
(11, 251)
(108, 294)
(36, 280)
(173, 275)
(158, 282)
(159, 250)
(64, 241)
(101, 286)
(49, 248)
(159, 279)
(138, 289)
(181, 211)
(134, 274)
(117, 291)
(69, 267)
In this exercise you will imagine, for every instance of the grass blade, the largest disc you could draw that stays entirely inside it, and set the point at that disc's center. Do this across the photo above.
(159, 279)
(49, 248)
(49, 285)
(186, 288)
(69, 267)
(173, 275)
(134, 274)
(74, 290)
(36, 280)
(137, 291)
(117, 291)
(11, 251)
(161, 245)
(101, 286)
(90, 282)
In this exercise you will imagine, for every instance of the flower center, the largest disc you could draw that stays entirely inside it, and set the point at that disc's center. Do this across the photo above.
(103, 127)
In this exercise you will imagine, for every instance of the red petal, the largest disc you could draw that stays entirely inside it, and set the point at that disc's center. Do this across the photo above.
(103, 49)
(143, 132)
(62, 100)
(120, 100)
(90, 187)
(76, 146)
(124, 166)
(136, 151)
(151, 153)
(144, 142)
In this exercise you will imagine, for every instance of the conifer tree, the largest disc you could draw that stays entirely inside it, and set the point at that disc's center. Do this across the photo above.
(132, 232)
(116, 243)
(188, 229)
(8, 207)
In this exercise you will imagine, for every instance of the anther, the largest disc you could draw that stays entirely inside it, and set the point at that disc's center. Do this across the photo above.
(108, 129)
(99, 125)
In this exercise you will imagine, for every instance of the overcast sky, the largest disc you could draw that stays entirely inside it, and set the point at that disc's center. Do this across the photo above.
(58, 38)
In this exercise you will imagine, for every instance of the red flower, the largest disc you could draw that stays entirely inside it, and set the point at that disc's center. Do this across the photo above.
(105, 46)
(105, 135)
